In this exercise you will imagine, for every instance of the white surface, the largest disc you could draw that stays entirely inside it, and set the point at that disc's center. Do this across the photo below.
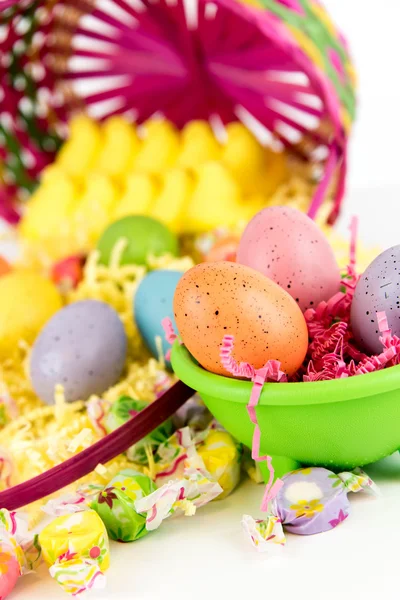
(207, 555)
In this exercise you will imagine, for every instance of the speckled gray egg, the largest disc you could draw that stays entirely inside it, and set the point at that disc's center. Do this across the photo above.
(83, 348)
(377, 290)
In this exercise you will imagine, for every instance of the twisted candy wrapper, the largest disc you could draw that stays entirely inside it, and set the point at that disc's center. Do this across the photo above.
(264, 532)
(172, 456)
(19, 551)
(310, 501)
(115, 505)
(126, 408)
(221, 455)
(75, 547)
(182, 496)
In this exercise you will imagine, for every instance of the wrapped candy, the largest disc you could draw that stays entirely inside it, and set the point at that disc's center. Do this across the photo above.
(193, 414)
(19, 551)
(181, 496)
(171, 457)
(124, 409)
(115, 505)
(310, 501)
(75, 547)
(221, 455)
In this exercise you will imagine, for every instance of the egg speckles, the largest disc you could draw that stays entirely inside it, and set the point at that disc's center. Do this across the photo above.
(378, 289)
(83, 348)
(289, 248)
(216, 299)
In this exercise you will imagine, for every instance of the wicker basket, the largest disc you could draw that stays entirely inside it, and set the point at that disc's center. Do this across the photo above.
(280, 67)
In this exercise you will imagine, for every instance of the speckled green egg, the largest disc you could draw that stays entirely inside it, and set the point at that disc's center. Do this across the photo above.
(144, 237)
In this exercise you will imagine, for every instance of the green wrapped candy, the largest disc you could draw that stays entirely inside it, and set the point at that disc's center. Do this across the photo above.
(145, 236)
(115, 505)
(124, 409)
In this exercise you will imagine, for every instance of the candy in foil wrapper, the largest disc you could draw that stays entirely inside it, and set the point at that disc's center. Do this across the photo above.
(75, 547)
(314, 500)
(263, 533)
(221, 455)
(115, 505)
(193, 414)
(311, 500)
(251, 467)
(19, 550)
(126, 408)
(181, 496)
(172, 456)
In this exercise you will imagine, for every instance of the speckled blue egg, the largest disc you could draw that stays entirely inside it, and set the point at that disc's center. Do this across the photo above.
(153, 302)
(378, 289)
(83, 348)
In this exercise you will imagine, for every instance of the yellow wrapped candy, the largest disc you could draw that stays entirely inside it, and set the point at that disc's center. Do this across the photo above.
(76, 548)
(221, 456)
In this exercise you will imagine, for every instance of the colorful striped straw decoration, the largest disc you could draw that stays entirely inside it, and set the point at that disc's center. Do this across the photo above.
(279, 66)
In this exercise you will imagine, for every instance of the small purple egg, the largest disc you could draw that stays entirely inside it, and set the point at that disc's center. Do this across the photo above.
(83, 348)
(377, 290)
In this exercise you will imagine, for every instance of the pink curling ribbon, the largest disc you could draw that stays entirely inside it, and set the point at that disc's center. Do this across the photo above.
(271, 370)
(170, 334)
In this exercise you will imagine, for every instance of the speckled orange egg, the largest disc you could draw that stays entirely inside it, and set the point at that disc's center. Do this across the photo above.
(215, 299)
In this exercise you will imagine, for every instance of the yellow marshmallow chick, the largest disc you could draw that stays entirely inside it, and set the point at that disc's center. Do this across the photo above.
(244, 156)
(170, 205)
(96, 208)
(275, 172)
(256, 169)
(139, 196)
(120, 147)
(51, 207)
(198, 145)
(79, 153)
(159, 149)
(216, 200)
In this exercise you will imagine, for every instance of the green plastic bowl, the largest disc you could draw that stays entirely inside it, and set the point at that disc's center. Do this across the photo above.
(340, 424)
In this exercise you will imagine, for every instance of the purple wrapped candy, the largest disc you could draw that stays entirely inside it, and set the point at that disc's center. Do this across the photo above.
(310, 501)
(314, 500)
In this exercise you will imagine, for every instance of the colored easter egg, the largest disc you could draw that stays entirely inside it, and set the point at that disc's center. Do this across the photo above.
(378, 289)
(27, 301)
(9, 571)
(223, 249)
(5, 266)
(289, 248)
(83, 348)
(224, 298)
(68, 272)
(152, 303)
(145, 236)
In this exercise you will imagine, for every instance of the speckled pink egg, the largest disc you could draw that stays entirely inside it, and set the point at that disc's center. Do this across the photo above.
(223, 298)
(289, 248)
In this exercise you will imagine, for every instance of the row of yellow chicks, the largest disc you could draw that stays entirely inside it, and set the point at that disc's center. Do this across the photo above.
(186, 179)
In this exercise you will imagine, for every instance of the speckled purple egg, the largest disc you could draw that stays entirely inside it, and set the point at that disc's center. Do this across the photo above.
(83, 348)
(377, 290)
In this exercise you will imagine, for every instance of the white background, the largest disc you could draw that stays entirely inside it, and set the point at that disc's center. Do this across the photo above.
(207, 556)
